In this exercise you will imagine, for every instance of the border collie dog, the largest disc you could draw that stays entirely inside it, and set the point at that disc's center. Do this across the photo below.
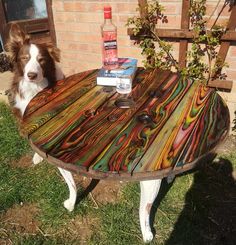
(35, 68)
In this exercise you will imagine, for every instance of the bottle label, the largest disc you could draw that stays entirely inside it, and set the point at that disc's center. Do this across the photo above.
(109, 48)
(110, 45)
(109, 40)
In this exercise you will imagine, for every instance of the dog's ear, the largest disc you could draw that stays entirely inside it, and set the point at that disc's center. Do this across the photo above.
(17, 35)
(54, 52)
(17, 38)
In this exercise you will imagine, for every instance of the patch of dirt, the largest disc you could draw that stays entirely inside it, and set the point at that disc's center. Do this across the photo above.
(107, 191)
(82, 228)
(21, 219)
(104, 192)
(23, 162)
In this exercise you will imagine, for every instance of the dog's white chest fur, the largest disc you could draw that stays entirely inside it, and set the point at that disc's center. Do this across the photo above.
(28, 90)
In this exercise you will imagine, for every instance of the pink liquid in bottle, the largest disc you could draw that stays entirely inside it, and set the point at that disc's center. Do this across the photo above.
(109, 41)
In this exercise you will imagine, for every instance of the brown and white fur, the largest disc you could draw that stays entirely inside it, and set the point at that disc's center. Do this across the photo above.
(35, 68)
(34, 65)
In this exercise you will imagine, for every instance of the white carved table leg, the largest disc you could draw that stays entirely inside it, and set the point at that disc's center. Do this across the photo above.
(37, 158)
(69, 204)
(149, 191)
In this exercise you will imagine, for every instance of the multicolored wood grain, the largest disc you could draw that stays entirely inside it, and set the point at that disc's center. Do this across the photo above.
(172, 124)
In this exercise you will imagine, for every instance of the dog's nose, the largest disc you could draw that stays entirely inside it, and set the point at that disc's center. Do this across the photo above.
(32, 75)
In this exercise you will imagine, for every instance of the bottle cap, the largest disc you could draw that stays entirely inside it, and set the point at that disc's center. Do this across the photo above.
(107, 12)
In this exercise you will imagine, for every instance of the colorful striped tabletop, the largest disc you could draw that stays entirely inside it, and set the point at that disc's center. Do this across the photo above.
(171, 124)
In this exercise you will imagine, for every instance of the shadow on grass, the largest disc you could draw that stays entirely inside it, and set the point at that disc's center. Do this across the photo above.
(85, 192)
(209, 214)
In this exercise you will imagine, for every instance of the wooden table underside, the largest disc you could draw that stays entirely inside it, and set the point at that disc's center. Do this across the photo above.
(173, 123)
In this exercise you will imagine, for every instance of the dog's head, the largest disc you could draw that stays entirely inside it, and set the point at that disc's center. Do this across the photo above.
(31, 61)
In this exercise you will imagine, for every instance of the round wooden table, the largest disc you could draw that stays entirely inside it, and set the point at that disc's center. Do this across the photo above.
(171, 124)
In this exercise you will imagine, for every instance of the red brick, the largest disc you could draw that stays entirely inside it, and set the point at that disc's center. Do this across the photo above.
(222, 21)
(96, 7)
(124, 41)
(73, 6)
(211, 9)
(129, 8)
(129, 51)
(89, 17)
(123, 18)
(90, 38)
(231, 63)
(68, 36)
(85, 57)
(231, 74)
(95, 28)
(172, 22)
(171, 8)
(79, 47)
(225, 11)
(232, 52)
(74, 26)
(64, 17)
(122, 31)
(76, 46)
(57, 6)
(95, 48)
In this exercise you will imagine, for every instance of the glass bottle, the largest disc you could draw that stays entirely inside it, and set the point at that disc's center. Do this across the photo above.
(109, 41)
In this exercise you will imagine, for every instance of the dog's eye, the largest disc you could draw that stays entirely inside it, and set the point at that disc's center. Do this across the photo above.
(41, 60)
(24, 58)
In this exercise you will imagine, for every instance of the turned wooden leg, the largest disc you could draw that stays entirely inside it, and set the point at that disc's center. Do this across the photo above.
(149, 191)
(69, 204)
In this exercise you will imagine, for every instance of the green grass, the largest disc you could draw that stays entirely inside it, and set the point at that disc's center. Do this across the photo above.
(197, 208)
(120, 222)
(11, 144)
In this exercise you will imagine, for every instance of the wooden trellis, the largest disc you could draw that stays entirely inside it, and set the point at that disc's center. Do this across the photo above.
(184, 35)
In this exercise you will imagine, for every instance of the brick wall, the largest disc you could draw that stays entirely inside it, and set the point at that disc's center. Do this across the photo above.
(77, 25)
